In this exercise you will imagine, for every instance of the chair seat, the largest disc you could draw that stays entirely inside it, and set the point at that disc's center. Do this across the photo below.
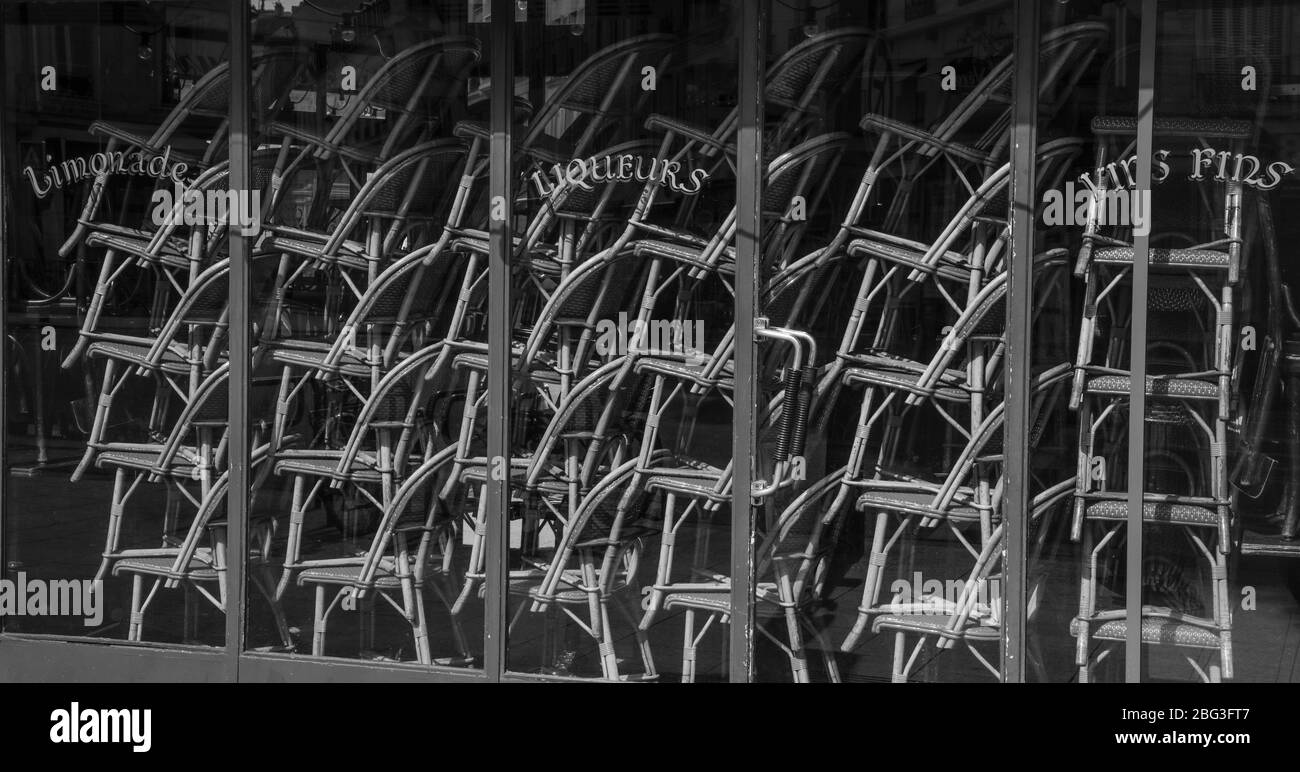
(173, 252)
(1156, 386)
(172, 362)
(936, 624)
(568, 594)
(349, 575)
(690, 371)
(951, 266)
(352, 254)
(688, 482)
(893, 373)
(717, 602)
(1163, 257)
(144, 458)
(325, 463)
(918, 502)
(541, 370)
(1155, 630)
(767, 593)
(352, 363)
(1126, 125)
(1162, 513)
(197, 569)
(688, 253)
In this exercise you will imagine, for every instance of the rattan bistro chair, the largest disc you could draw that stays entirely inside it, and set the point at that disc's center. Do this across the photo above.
(972, 619)
(390, 431)
(966, 497)
(193, 451)
(412, 89)
(207, 100)
(973, 139)
(190, 346)
(197, 563)
(390, 566)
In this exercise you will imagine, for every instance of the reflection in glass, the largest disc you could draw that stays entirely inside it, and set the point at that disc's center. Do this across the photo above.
(366, 269)
(116, 318)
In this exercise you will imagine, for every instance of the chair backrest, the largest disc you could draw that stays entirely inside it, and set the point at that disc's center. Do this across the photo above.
(415, 184)
(204, 304)
(599, 94)
(414, 505)
(395, 404)
(590, 297)
(816, 69)
(794, 188)
(1064, 55)
(408, 87)
(208, 407)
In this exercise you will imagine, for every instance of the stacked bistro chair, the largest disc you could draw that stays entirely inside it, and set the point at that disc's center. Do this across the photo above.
(394, 297)
(677, 471)
(973, 617)
(599, 106)
(193, 451)
(976, 336)
(964, 254)
(187, 129)
(596, 112)
(394, 441)
(791, 551)
(972, 140)
(413, 90)
(797, 89)
(954, 502)
(390, 565)
(197, 563)
(896, 374)
(1190, 394)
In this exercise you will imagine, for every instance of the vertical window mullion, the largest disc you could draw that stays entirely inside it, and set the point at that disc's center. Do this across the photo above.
(749, 183)
(500, 148)
(1016, 510)
(240, 178)
(1138, 347)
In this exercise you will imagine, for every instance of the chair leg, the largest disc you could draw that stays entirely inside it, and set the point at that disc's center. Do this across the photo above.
(265, 582)
(875, 565)
(318, 623)
(828, 654)
(642, 639)
(136, 624)
(120, 494)
(798, 660)
(420, 629)
(899, 673)
(688, 648)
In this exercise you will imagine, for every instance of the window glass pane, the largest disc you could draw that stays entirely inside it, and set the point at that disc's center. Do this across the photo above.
(1079, 435)
(1219, 454)
(623, 369)
(116, 406)
(370, 159)
(883, 288)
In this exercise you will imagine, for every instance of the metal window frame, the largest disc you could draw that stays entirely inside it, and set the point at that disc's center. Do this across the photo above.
(1020, 297)
(28, 656)
(749, 197)
(1138, 354)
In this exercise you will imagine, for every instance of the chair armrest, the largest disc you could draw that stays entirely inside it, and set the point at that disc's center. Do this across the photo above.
(664, 123)
(882, 125)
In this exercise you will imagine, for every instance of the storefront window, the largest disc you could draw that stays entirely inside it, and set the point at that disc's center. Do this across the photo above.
(116, 441)
(622, 311)
(366, 281)
(881, 354)
(1001, 317)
